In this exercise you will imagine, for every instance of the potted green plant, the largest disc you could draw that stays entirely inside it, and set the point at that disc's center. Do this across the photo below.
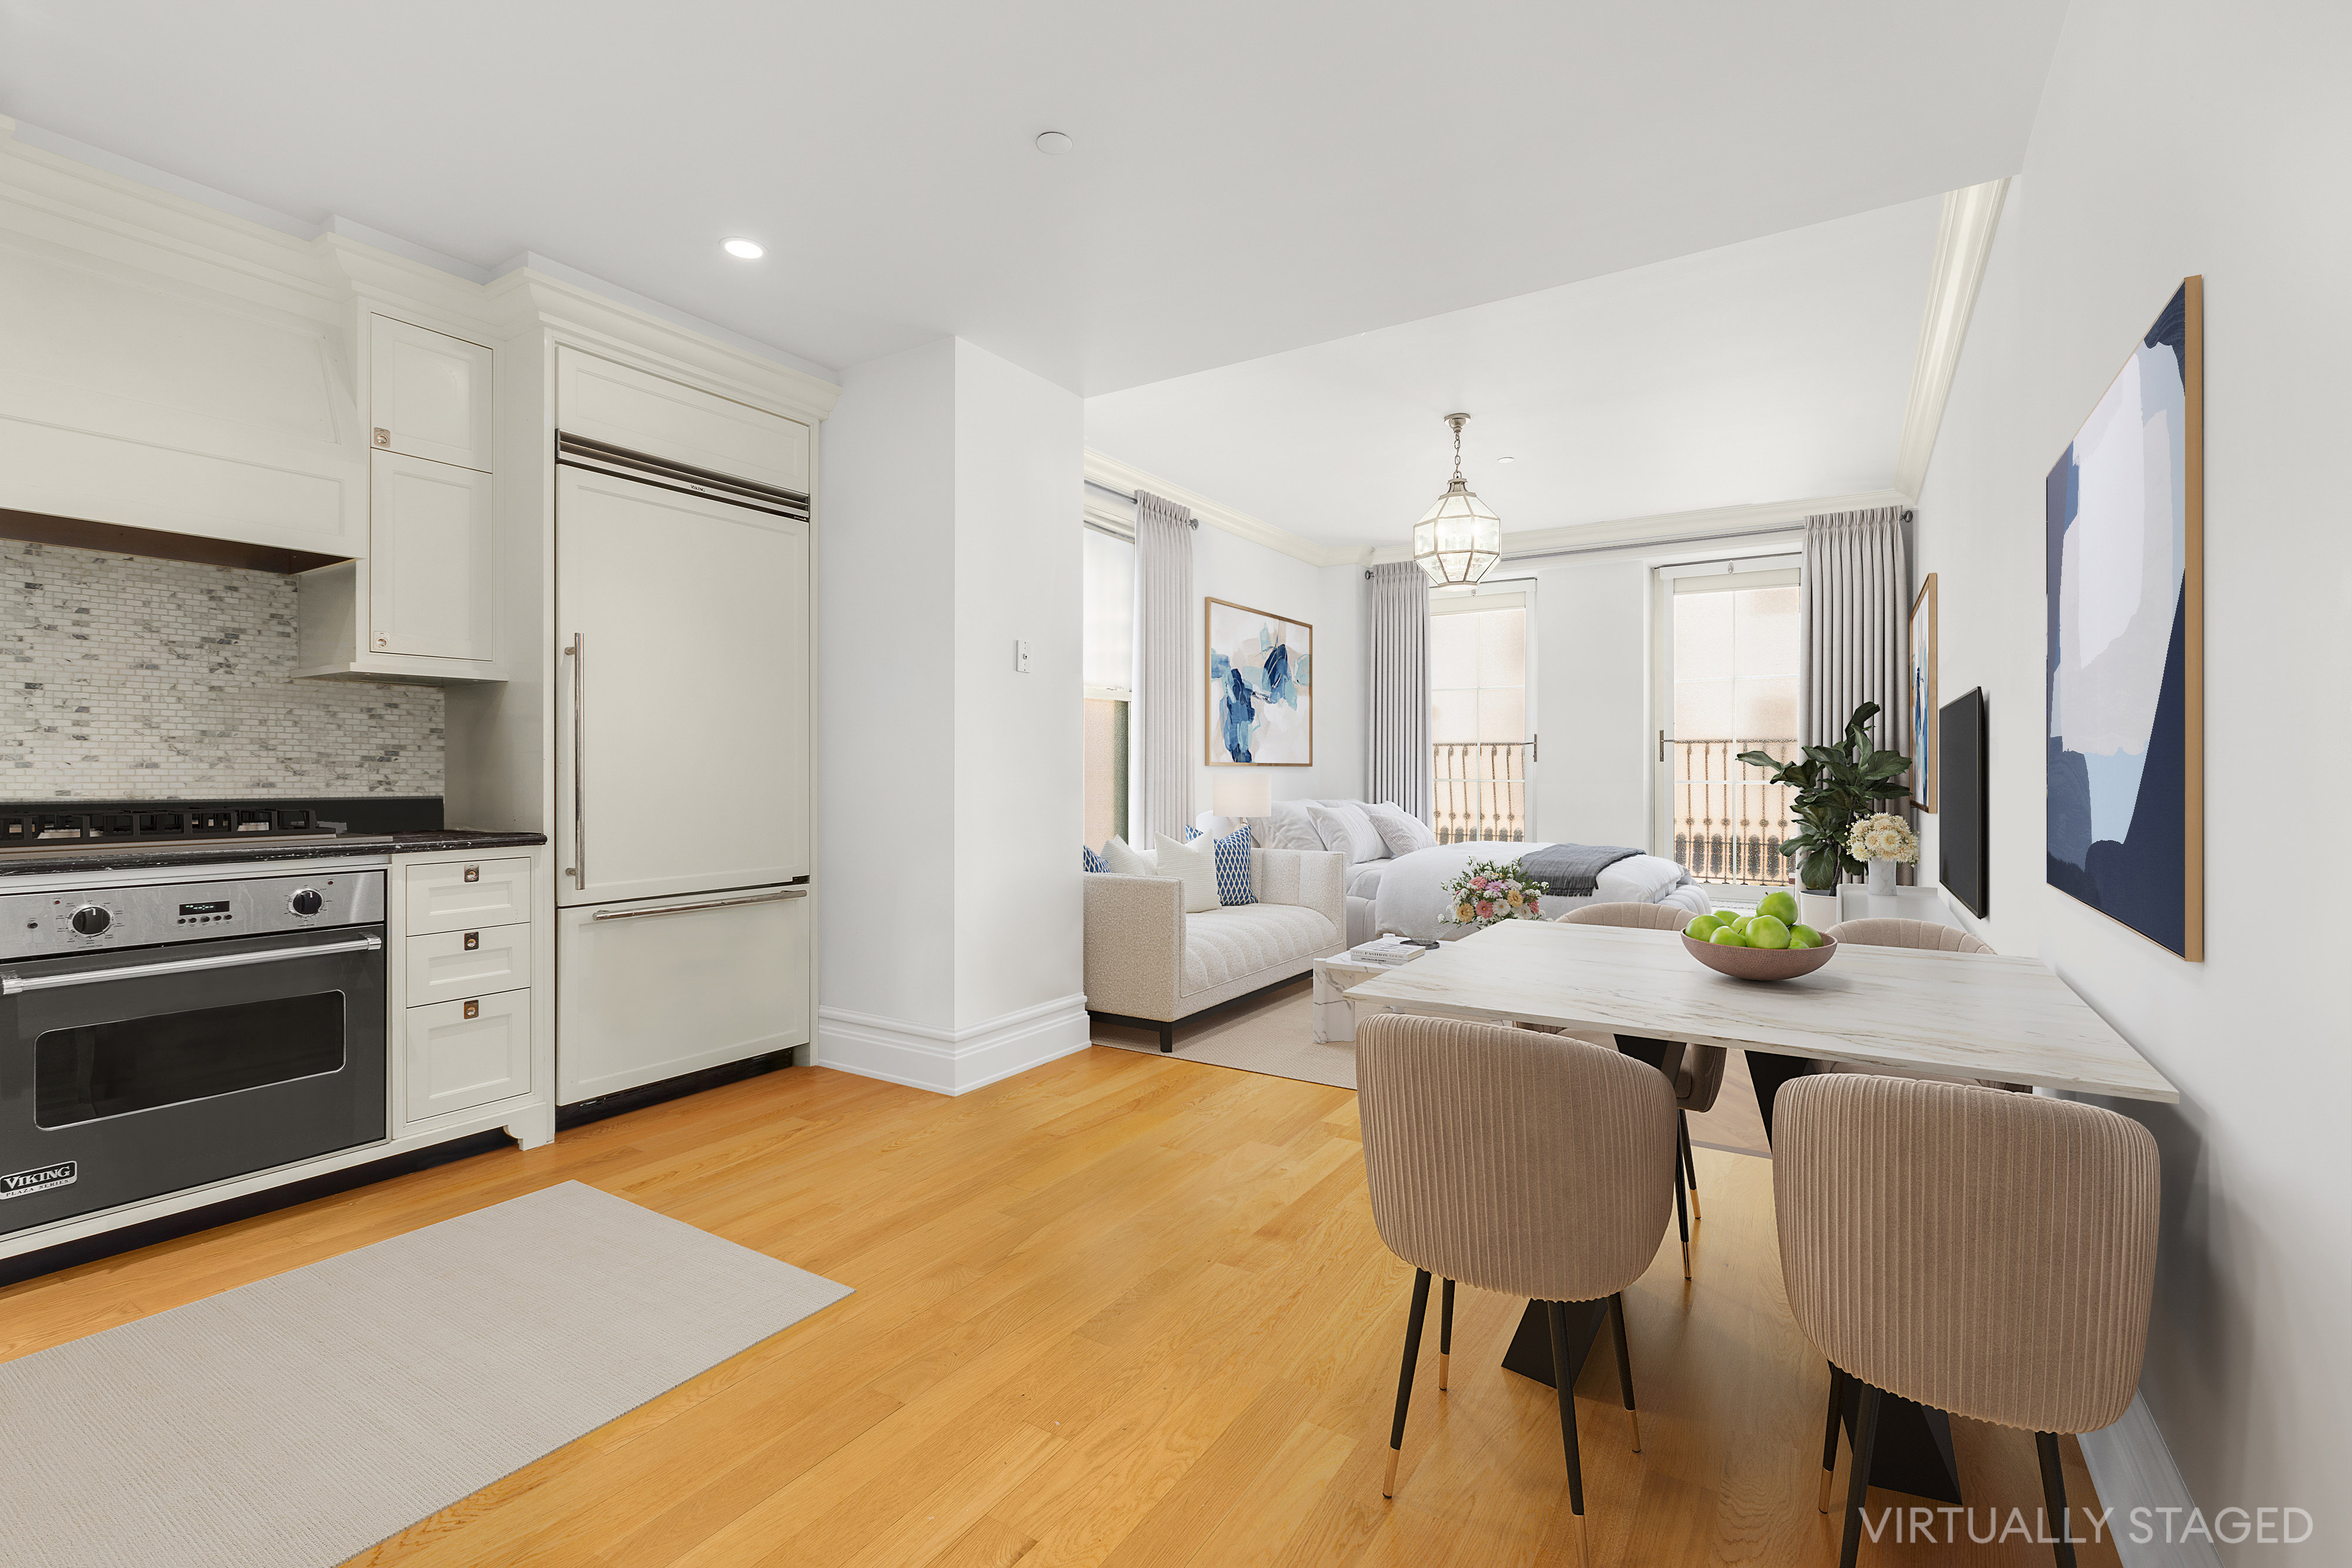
(1836, 787)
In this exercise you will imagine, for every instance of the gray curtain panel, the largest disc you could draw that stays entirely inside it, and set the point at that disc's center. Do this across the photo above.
(1164, 673)
(1399, 768)
(1853, 621)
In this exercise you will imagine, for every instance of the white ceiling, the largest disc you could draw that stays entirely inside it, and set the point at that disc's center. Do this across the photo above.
(1771, 370)
(1248, 178)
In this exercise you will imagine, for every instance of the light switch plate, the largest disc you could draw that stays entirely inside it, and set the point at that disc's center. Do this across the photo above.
(1021, 656)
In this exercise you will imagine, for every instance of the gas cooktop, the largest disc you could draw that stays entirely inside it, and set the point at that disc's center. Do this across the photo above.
(48, 830)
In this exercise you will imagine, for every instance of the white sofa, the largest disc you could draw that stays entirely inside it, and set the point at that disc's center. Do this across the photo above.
(1150, 963)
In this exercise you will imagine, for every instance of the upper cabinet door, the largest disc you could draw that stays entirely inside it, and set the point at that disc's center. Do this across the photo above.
(429, 395)
(432, 560)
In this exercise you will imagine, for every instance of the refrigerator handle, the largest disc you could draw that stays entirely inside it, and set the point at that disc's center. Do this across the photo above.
(578, 869)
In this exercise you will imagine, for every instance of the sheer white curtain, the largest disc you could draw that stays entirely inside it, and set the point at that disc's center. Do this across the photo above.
(1852, 622)
(1164, 673)
(1399, 770)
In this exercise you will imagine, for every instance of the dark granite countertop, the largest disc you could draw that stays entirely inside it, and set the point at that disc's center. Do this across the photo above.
(131, 857)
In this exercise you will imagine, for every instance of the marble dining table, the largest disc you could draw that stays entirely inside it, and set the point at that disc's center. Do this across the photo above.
(1949, 1015)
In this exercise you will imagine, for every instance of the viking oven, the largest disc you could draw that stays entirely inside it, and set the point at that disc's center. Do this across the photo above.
(170, 1035)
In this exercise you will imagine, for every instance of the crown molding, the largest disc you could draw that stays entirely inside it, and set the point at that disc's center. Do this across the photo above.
(1110, 472)
(1707, 522)
(1963, 244)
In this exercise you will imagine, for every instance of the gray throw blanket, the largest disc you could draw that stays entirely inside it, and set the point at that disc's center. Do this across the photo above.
(1571, 871)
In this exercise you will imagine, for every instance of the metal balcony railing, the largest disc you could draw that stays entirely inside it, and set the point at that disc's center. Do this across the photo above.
(1728, 824)
(1480, 790)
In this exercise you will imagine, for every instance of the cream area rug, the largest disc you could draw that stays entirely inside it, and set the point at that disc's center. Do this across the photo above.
(298, 1420)
(1276, 1036)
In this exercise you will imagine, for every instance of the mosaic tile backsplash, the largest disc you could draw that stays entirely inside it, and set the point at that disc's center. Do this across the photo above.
(131, 678)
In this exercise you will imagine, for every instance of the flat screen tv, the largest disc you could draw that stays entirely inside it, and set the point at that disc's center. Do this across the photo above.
(1963, 858)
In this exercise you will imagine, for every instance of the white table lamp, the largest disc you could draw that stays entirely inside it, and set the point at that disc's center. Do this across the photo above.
(1238, 792)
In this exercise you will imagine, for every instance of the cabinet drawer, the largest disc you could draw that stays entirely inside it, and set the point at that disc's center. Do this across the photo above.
(473, 962)
(468, 895)
(455, 1062)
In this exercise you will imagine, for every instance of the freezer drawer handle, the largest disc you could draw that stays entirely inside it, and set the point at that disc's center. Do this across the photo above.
(13, 984)
(706, 903)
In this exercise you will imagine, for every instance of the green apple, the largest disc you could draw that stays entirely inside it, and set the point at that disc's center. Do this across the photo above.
(1728, 937)
(1804, 936)
(1780, 906)
(1745, 922)
(1765, 931)
(1702, 927)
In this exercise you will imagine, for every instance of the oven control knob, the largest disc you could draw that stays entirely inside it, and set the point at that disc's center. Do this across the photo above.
(91, 920)
(307, 900)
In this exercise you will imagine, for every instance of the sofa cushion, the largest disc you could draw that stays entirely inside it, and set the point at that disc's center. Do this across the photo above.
(1221, 945)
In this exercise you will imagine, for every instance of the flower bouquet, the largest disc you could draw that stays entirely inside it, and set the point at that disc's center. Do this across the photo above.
(1883, 840)
(1488, 891)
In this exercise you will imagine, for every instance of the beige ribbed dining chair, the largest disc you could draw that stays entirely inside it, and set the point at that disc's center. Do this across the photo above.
(1695, 1071)
(1525, 1163)
(1991, 1255)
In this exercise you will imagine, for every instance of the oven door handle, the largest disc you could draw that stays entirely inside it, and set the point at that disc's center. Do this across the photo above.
(13, 984)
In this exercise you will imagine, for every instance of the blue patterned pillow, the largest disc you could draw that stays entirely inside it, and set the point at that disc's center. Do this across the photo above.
(1191, 832)
(1093, 861)
(1233, 853)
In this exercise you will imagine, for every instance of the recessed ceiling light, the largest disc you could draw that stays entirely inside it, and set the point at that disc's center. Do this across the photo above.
(746, 249)
(1053, 143)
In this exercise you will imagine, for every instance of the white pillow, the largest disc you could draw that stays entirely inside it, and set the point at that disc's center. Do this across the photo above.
(1291, 827)
(1344, 826)
(1404, 831)
(1193, 865)
(1129, 861)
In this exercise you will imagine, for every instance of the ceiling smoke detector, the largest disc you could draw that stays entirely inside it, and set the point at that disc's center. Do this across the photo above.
(1053, 143)
(745, 249)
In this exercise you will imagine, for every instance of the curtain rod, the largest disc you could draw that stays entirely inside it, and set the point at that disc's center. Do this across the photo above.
(1130, 499)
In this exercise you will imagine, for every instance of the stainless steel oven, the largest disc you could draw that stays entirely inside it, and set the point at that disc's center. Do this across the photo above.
(170, 1035)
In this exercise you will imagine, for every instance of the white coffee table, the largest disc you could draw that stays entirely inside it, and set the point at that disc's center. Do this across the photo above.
(1335, 1015)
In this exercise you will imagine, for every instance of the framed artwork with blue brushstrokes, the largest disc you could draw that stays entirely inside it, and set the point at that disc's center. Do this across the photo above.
(2124, 534)
(1261, 671)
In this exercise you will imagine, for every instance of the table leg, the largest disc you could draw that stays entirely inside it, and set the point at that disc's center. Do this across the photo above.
(1914, 1451)
(1531, 1351)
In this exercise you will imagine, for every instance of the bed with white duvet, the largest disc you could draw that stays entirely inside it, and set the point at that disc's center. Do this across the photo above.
(1407, 894)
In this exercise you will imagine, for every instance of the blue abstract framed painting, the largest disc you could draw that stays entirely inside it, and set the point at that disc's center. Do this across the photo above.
(2125, 688)
(1260, 676)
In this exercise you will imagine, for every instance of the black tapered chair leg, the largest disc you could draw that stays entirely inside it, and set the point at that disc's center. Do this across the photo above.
(1829, 1435)
(1624, 1365)
(1404, 1378)
(1682, 1222)
(1690, 1162)
(1566, 1387)
(1857, 1487)
(1445, 1334)
(2053, 1497)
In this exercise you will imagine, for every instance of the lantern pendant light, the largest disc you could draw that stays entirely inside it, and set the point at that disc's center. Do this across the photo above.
(1460, 538)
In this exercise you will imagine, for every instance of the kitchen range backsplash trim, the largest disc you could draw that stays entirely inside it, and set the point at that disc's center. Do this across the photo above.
(132, 678)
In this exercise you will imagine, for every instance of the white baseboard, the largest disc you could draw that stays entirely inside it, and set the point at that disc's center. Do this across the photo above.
(2133, 1469)
(950, 1062)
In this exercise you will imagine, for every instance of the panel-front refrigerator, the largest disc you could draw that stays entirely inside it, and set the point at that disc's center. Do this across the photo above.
(682, 775)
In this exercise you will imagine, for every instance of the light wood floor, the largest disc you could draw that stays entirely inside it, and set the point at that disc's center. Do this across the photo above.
(1118, 1310)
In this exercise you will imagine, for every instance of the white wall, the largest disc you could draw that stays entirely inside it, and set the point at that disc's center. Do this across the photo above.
(886, 684)
(1018, 781)
(2174, 139)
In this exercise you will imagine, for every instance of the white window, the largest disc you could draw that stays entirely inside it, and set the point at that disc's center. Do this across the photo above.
(1106, 662)
(1481, 714)
(1724, 663)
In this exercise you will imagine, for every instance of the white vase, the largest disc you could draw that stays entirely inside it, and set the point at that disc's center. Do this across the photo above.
(1882, 879)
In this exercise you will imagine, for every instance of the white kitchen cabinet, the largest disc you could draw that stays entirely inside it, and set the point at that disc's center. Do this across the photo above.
(447, 966)
(432, 563)
(468, 1052)
(430, 395)
(466, 895)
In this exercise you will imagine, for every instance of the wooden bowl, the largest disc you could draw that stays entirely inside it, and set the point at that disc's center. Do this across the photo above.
(1761, 963)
